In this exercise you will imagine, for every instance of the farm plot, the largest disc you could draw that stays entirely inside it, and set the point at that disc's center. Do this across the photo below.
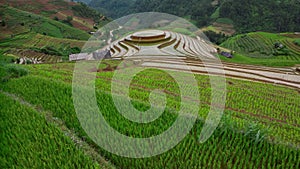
(29, 141)
(42, 48)
(154, 42)
(262, 46)
(231, 145)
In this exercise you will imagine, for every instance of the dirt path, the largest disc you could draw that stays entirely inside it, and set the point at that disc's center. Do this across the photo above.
(112, 35)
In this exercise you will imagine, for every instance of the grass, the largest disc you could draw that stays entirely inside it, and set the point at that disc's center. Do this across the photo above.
(29, 141)
(297, 42)
(216, 14)
(211, 28)
(271, 62)
(224, 21)
(237, 143)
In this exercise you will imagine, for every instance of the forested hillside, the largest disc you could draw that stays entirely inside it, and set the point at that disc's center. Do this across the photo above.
(197, 10)
(267, 15)
(245, 15)
(113, 8)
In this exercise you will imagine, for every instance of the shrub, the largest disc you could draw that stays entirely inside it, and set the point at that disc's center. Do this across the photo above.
(256, 132)
(75, 50)
(16, 71)
(3, 73)
(3, 23)
(216, 38)
(297, 42)
(8, 71)
(49, 50)
(56, 18)
(69, 19)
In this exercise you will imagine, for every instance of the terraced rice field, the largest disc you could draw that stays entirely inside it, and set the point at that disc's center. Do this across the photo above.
(29, 45)
(173, 51)
(40, 57)
(160, 43)
(268, 142)
(259, 128)
(261, 45)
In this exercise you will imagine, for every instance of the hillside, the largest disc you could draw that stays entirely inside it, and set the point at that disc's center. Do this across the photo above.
(113, 8)
(257, 115)
(266, 47)
(32, 36)
(158, 98)
(194, 10)
(39, 47)
(245, 16)
(16, 21)
(83, 17)
(257, 15)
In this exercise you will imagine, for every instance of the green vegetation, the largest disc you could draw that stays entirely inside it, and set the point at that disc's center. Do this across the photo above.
(297, 42)
(216, 38)
(9, 71)
(82, 10)
(224, 20)
(113, 8)
(265, 48)
(216, 14)
(268, 15)
(259, 128)
(28, 141)
(194, 10)
(19, 21)
(48, 49)
(271, 62)
(241, 141)
(6, 59)
(68, 20)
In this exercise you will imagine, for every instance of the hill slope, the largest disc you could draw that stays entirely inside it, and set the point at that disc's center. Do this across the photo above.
(257, 15)
(113, 8)
(18, 21)
(273, 48)
(43, 48)
(28, 35)
(246, 16)
(83, 17)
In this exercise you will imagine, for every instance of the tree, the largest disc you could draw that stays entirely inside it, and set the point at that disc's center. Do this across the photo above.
(69, 19)
(56, 18)
(3, 23)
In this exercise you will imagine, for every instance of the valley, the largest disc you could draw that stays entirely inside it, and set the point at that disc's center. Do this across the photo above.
(61, 59)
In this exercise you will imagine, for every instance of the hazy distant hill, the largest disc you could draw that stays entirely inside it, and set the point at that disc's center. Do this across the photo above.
(84, 1)
(114, 8)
